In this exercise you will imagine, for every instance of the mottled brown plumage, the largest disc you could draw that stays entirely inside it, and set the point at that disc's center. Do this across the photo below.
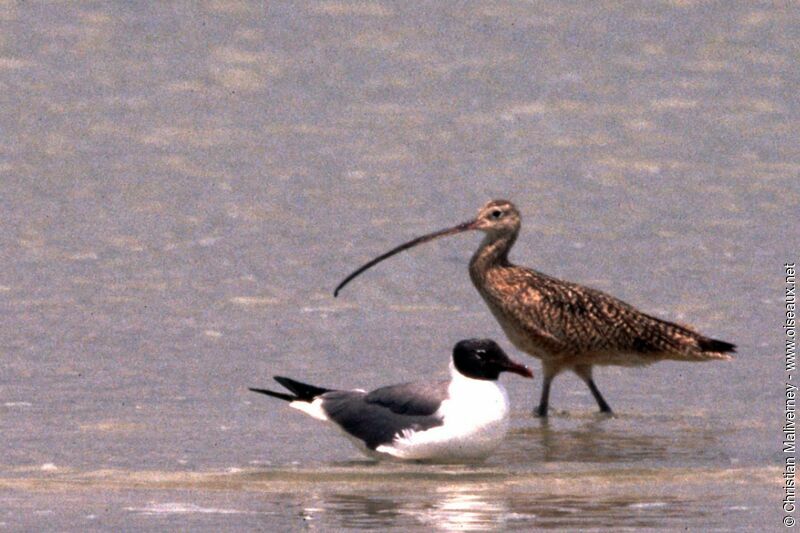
(566, 325)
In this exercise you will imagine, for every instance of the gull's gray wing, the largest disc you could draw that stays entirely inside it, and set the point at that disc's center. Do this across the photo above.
(378, 417)
(411, 398)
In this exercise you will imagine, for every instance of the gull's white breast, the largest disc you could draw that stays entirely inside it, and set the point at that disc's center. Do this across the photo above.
(475, 421)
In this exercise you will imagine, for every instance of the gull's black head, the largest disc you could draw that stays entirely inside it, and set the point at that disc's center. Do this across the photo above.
(484, 359)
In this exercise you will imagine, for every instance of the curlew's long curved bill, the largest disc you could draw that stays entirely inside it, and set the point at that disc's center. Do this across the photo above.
(466, 226)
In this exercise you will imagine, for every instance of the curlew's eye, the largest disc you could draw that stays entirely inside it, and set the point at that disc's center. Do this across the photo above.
(496, 214)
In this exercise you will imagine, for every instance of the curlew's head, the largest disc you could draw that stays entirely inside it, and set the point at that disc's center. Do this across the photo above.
(497, 218)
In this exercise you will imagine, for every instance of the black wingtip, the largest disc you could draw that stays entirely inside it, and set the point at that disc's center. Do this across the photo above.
(302, 391)
(280, 395)
(715, 345)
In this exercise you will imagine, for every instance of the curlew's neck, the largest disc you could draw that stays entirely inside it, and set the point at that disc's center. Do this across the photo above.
(492, 252)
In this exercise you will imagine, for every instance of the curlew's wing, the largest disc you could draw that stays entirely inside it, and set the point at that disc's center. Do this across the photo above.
(566, 317)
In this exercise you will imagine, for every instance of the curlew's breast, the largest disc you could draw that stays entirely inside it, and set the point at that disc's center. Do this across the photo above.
(520, 310)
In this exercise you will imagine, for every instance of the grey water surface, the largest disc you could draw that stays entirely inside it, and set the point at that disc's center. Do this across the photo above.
(183, 184)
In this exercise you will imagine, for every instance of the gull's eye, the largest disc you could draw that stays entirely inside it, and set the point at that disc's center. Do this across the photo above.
(496, 214)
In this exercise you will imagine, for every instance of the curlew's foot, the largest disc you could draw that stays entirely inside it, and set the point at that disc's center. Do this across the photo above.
(541, 411)
(604, 407)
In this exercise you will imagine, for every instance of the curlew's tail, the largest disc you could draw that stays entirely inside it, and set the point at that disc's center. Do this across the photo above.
(680, 342)
(302, 392)
(716, 346)
(709, 349)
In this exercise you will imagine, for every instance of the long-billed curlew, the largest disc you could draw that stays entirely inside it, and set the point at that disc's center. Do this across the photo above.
(566, 325)
(461, 419)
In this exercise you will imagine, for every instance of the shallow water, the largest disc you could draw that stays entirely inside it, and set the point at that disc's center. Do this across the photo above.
(379, 496)
(183, 186)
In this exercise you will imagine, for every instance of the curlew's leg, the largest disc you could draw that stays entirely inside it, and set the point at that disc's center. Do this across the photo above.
(585, 373)
(548, 375)
(604, 408)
